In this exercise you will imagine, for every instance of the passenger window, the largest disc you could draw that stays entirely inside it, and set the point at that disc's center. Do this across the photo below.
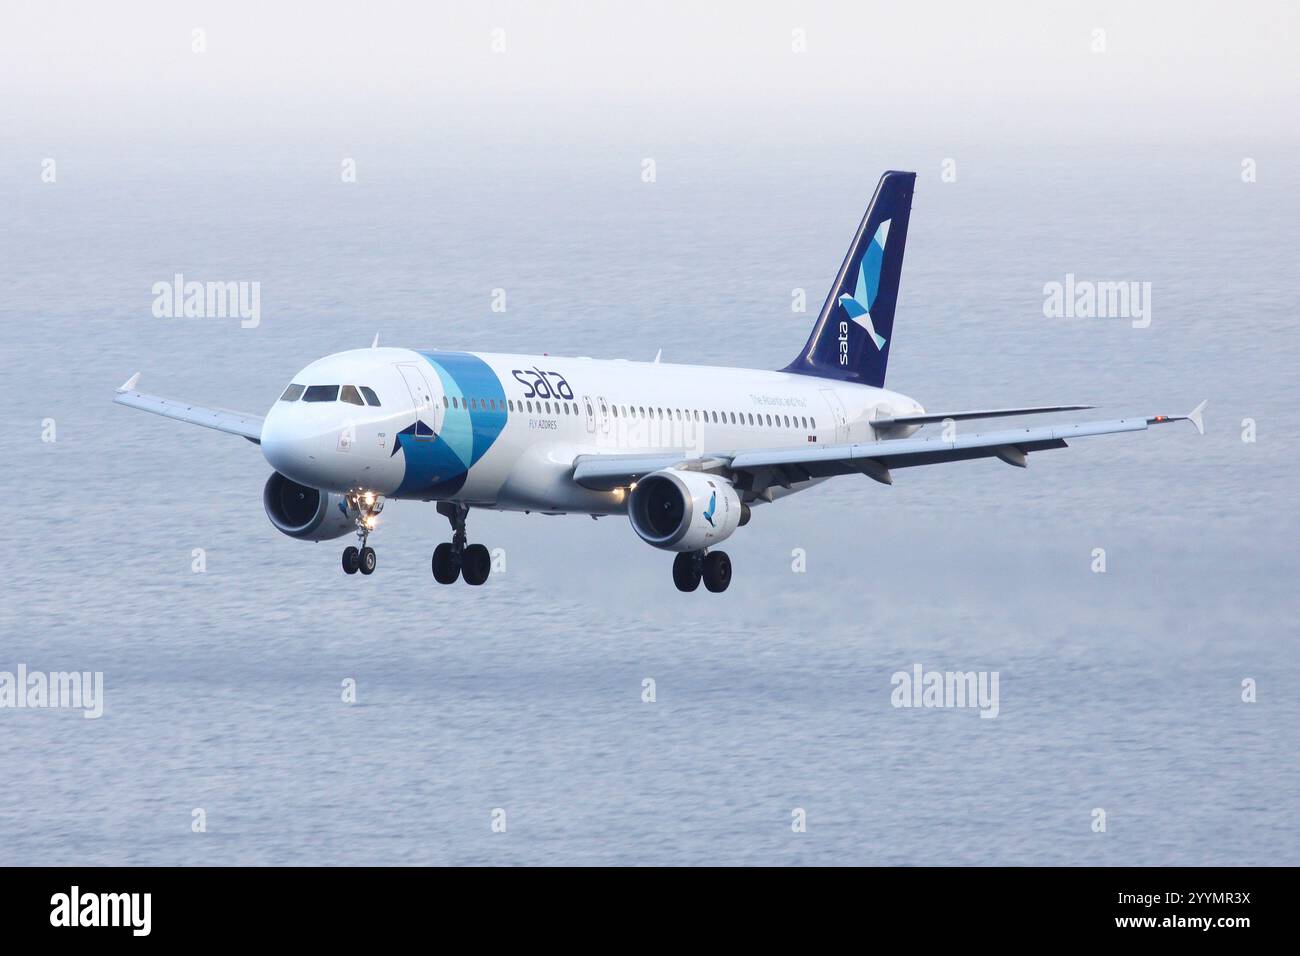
(373, 399)
(321, 393)
(350, 395)
(292, 393)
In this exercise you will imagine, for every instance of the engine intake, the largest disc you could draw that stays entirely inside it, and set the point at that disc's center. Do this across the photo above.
(302, 512)
(684, 510)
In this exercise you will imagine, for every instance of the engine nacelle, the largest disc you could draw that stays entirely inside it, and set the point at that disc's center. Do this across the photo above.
(302, 512)
(684, 510)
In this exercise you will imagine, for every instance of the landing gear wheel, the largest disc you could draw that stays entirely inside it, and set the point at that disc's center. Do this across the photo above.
(717, 571)
(446, 564)
(687, 569)
(363, 506)
(477, 564)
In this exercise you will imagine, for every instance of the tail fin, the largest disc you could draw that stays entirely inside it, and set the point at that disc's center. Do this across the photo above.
(852, 336)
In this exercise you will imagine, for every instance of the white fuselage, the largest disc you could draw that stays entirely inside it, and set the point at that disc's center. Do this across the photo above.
(502, 431)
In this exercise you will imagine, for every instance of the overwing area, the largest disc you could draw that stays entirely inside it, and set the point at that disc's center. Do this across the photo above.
(223, 420)
(758, 470)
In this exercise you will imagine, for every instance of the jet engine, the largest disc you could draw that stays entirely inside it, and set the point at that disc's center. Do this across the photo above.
(302, 512)
(685, 510)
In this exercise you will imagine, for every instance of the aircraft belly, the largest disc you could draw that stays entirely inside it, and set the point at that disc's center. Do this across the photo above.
(540, 479)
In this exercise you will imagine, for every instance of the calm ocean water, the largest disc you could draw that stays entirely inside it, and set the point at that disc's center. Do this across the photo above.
(1119, 691)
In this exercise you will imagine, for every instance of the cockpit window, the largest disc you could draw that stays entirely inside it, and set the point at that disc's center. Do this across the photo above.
(350, 395)
(371, 397)
(292, 393)
(321, 393)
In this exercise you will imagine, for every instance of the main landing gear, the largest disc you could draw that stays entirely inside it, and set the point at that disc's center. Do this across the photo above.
(690, 567)
(367, 505)
(455, 559)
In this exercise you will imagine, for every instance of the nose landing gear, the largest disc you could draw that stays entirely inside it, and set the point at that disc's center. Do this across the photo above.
(367, 506)
(457, 558)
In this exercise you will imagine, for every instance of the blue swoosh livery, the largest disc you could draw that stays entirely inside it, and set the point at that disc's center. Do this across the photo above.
(437, 464)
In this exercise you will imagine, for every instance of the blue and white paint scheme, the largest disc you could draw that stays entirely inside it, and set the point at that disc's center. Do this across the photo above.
(685, 451)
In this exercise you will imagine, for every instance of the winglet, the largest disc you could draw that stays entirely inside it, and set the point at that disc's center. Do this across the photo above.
(130, 384)
(375, 343)
(658, 356)
(1194, 416)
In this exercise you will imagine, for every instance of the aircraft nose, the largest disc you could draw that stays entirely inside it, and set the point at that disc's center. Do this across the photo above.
(286, 447)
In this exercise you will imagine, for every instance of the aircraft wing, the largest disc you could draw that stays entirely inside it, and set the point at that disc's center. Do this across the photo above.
(762, 468)
(930, 417)
(607, 472)
(1011, 445)
(234, 423)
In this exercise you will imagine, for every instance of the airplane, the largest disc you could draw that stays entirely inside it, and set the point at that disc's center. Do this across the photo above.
(686, 452)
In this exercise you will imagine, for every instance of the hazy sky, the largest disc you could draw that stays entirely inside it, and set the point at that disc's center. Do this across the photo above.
(1186, 71)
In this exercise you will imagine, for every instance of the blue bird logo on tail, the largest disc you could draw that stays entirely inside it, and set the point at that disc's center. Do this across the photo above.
(858, 306)
(711, 509)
